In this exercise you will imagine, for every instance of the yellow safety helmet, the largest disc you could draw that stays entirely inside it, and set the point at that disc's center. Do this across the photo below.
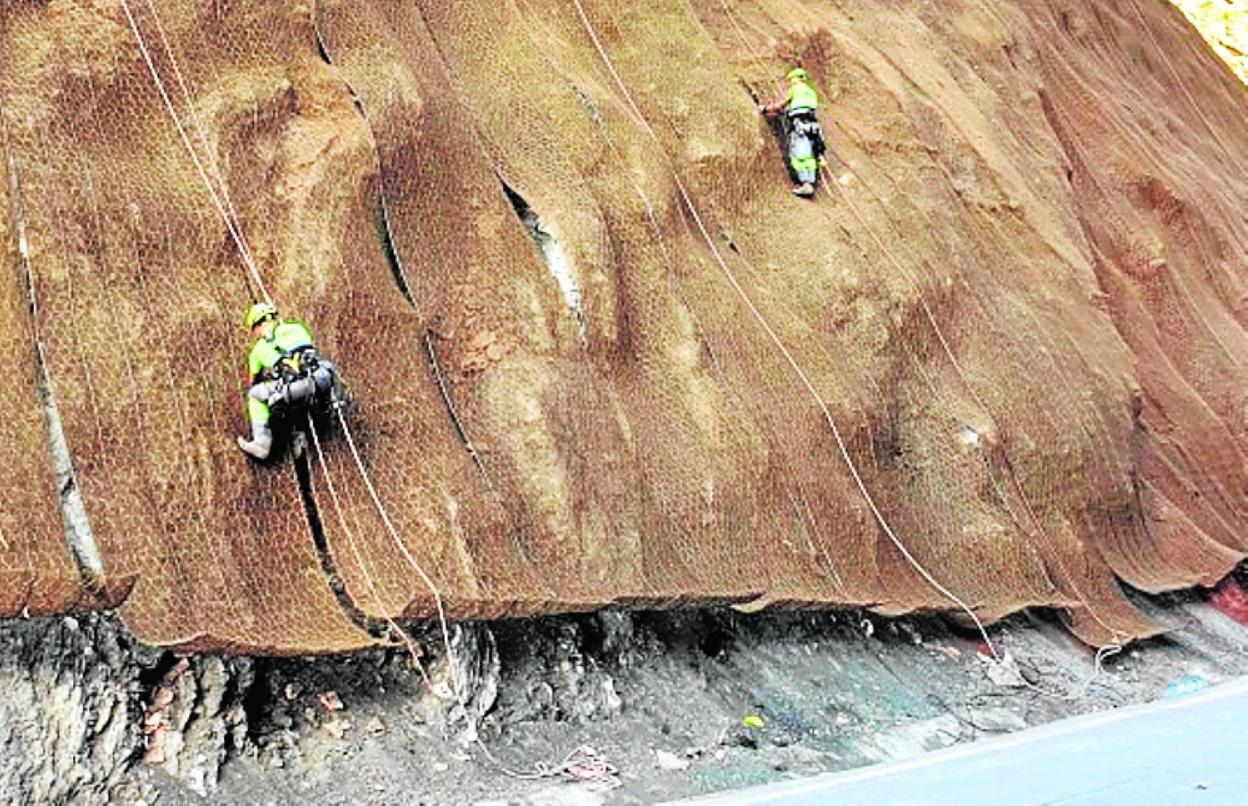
(798, 74)
(259, 312)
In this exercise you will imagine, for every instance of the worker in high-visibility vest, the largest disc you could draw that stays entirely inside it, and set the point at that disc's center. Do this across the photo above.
(806, 144)
(283, 369)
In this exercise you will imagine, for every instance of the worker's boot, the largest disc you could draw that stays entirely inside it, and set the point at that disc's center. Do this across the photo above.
(804, 190)
(260, 444)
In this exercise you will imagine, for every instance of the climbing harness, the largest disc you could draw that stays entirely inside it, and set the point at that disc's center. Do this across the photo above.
(300, 380)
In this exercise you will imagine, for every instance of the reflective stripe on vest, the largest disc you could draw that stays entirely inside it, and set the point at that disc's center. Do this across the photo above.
(803, 96)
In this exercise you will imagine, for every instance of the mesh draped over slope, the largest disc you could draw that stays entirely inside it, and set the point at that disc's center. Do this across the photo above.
(37, 573)
(1024, 315)
(137, 296)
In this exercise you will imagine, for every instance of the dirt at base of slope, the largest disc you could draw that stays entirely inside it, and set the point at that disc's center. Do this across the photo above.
(663, 698)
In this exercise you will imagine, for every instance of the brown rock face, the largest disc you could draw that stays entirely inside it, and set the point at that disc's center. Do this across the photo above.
(597, 351)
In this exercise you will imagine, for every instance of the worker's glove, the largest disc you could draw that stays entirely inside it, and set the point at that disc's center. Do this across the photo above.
(823, 162)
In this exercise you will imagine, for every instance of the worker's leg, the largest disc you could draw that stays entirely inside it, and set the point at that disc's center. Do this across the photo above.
(261, 442)
(803, 161)
(820, 144)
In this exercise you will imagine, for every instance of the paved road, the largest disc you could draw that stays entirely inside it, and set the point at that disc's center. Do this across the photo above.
(1174, 752)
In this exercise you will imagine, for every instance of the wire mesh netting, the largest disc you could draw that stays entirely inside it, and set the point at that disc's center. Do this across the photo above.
(37, 573)
(138, 294)
(596, 351)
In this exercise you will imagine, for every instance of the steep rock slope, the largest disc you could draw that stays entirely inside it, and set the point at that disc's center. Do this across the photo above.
(1008, 347)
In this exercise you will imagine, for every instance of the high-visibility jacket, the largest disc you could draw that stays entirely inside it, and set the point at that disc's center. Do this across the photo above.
(801, 96)
(284, 338)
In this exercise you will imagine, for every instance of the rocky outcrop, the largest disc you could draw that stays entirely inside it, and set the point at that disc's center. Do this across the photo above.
(72, 698)
(994, 368)
(83, 704)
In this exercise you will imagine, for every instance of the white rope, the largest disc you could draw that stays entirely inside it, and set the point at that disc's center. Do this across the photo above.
(407, 555)
(1116, 636)
(359, 558)
(584, 764)
(245, 252)
(611, 68)
(186, 141)
(200, 131)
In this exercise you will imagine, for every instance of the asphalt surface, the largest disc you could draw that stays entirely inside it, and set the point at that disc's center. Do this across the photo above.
(1188, 750)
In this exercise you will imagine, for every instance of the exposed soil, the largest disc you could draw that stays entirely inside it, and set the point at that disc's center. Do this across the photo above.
(663, 698)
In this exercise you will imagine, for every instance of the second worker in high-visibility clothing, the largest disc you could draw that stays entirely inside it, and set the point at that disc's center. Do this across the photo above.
(806, 145)
(283, 369)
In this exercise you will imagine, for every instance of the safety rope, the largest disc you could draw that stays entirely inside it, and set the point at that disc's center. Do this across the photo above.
(236, 234)
(914, 284)
(1117, 636)
(741, 36)
(407, 555)
(593, 36)
(202, 134)
(186, 141)
(582, 764)
(359, 558)
(1102, 653)
(660, 239)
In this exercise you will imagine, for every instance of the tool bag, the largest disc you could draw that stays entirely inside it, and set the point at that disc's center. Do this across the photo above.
(303, 380)
(808, 126)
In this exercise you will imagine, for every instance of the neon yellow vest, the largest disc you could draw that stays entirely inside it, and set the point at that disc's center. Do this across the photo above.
(803, 96)
(284, 337)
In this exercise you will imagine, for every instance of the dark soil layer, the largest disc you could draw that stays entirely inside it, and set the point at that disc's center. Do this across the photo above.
(833, 691)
